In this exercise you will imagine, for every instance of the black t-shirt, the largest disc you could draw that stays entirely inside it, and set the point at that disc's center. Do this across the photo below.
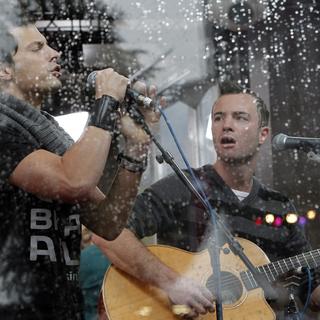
(40, 238)
(168, 209)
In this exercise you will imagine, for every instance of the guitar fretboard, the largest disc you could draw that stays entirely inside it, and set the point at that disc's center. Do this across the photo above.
(275, 269)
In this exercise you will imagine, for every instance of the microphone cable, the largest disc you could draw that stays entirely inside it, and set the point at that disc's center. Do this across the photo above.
(308, 294)
(212, 212)
(190, 170)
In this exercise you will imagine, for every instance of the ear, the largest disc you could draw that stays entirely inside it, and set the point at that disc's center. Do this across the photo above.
(264, 132)
(6, 72)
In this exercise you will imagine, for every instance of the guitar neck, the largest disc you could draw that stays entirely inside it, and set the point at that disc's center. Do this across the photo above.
(273, 270)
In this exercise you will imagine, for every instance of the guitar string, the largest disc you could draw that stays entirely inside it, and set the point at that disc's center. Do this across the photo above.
(226, 283)
(233, 279)
(230, 282)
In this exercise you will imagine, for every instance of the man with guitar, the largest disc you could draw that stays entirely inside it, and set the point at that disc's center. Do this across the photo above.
(239, 128)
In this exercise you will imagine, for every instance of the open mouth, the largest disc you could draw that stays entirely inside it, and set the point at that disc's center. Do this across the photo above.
(227, 141)
(56, 71)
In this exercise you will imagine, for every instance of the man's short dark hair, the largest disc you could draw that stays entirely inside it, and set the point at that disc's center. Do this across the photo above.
(228, 87)
(16, 15)
(8, 45)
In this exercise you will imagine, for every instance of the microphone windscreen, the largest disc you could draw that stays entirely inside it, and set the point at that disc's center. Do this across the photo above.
(278, 141)
(91, 80)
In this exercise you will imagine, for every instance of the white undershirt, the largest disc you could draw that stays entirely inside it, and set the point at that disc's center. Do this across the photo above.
(240, 194)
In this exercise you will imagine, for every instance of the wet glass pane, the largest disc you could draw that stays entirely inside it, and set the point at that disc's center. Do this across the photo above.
(190, 50)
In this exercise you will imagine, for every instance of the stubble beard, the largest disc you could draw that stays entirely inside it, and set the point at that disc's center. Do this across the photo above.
(51, 86)
(240, 159)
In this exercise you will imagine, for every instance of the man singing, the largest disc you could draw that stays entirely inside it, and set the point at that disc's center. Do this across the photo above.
(48, 184)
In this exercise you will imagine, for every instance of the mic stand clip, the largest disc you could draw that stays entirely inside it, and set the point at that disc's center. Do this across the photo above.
(313, 156)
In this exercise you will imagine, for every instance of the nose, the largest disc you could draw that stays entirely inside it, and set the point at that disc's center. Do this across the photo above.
(54, 55)
(227, 124)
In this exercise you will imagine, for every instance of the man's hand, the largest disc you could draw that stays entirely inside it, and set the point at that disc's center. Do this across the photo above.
(137, 141)
(189, 299)
(129, 128)
(109, 82)
(315, 299)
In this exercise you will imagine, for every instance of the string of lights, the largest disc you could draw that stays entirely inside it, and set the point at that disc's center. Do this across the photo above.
(289, 218)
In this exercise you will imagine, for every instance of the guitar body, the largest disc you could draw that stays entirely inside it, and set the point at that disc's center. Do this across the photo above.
(127, 298)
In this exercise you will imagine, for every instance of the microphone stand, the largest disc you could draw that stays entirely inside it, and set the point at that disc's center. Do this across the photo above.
(168, 158)
(234, 245)
(292, 312)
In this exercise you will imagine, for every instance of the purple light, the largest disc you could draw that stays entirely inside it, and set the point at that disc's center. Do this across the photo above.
(302, 220)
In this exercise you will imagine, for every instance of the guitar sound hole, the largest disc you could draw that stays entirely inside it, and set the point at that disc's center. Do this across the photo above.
(231, 287)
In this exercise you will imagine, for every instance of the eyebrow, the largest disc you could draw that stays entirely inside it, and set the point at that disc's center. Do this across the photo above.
(237, 113)
(241, 113)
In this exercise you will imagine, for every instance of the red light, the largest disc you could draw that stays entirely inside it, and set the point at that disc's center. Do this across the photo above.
(259, 221)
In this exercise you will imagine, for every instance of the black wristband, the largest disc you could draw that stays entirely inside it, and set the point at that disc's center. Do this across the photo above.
(131, 164)
(105, 114)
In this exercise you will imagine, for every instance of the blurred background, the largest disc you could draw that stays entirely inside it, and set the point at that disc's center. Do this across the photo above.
(185, 47)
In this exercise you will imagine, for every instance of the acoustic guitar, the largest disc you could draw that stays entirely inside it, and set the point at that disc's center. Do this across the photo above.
(125, 297)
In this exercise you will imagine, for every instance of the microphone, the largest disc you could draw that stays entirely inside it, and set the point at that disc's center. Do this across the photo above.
(282, 142)
(139, 98)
